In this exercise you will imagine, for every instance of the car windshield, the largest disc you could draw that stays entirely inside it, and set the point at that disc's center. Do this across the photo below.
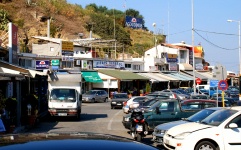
(63, 95)
(200, 115)
(149, 102)
(154, 105)
(216, 118)
(91, 92)
(120, 96)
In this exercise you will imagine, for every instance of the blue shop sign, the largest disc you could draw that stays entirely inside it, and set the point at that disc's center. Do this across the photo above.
(42, 64)
(171, 59)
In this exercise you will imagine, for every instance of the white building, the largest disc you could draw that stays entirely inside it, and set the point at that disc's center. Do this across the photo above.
(165, 57)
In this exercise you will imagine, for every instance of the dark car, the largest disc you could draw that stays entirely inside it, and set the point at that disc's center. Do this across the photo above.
(232, 92)
(170, 110)
(73, 141)
(118, 100)
(199, 96)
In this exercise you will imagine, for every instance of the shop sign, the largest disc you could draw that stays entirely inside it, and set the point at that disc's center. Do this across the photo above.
(108, 64)
(173, 66)
(42, 64)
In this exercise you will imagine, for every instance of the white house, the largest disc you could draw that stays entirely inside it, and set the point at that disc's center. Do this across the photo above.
(165, 57)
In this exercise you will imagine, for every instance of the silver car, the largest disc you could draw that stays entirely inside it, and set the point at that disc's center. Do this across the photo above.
(93, 96)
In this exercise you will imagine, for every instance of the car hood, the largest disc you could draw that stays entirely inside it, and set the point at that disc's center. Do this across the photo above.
(187, 127)
(167, 126)
(73, 141)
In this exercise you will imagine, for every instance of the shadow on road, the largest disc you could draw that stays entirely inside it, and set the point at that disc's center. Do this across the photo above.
(87, 117)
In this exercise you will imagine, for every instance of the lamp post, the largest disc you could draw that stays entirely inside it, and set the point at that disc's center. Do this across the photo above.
(154, 25)
(238, 21)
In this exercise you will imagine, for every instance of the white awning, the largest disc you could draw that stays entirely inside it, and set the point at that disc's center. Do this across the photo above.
(153, 77)
(185, 66)
(33, 73)
(105, 77)
(7, 74)
(108, 82)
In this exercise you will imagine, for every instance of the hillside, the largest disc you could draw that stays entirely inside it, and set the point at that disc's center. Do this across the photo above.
(67, 20)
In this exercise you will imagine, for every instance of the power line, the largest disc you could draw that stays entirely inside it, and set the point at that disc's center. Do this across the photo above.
(216, 32)
(213, 43)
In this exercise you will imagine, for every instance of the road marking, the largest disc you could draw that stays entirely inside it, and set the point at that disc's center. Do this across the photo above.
(111, 120)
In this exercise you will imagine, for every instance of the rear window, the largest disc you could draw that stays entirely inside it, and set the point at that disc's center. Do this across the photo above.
(196, 105)
(120, 96)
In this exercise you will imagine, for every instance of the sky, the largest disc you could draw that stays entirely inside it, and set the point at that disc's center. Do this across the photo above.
(175, 18)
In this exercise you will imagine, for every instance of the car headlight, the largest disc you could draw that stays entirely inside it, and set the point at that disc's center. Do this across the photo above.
(157, 131)
(182, 135)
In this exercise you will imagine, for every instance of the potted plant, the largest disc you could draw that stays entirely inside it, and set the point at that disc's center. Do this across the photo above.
(32, 106)
(148, 88)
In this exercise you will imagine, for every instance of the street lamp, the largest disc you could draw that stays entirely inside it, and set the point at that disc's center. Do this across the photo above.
(154, 25)
(238, 21)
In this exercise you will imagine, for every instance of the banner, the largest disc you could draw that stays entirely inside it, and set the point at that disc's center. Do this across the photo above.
(135, 23)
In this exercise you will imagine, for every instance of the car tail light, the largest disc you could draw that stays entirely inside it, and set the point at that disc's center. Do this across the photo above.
(175, 96)
(135, 120)
(142, 121)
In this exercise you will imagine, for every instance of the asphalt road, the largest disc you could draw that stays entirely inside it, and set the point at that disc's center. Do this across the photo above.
(95, 117)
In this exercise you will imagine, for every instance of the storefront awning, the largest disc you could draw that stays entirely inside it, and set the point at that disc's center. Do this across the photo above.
(153, 77)
(122, 74)
(185, 66)
(7, 74)
(91, 76)
(197, 75)
(169, 78)
(177, 76)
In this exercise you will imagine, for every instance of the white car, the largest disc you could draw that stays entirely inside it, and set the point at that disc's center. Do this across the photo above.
(159, 131)
(133, 103)
(219, 131)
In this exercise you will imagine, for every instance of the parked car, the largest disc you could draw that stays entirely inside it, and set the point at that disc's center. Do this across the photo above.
(232, 92)
(164, 111)
(161, 93)
(134, 102)
(220, 130)
(179, 94)
(199, 96)
(118, 100)
(95, 96)
(161, 129)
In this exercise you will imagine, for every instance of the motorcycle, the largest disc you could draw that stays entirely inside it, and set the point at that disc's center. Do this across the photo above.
(138, 127)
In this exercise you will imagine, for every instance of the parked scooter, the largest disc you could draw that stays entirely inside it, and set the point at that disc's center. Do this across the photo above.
(138, 128)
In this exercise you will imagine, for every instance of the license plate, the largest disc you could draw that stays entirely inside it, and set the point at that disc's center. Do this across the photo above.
(126, 119)
(139, 128)
(118, 104)
(166, 141)
(62, 114)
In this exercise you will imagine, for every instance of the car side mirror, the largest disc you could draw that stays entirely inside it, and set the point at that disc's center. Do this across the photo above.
(233, 125)
(157, 110)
